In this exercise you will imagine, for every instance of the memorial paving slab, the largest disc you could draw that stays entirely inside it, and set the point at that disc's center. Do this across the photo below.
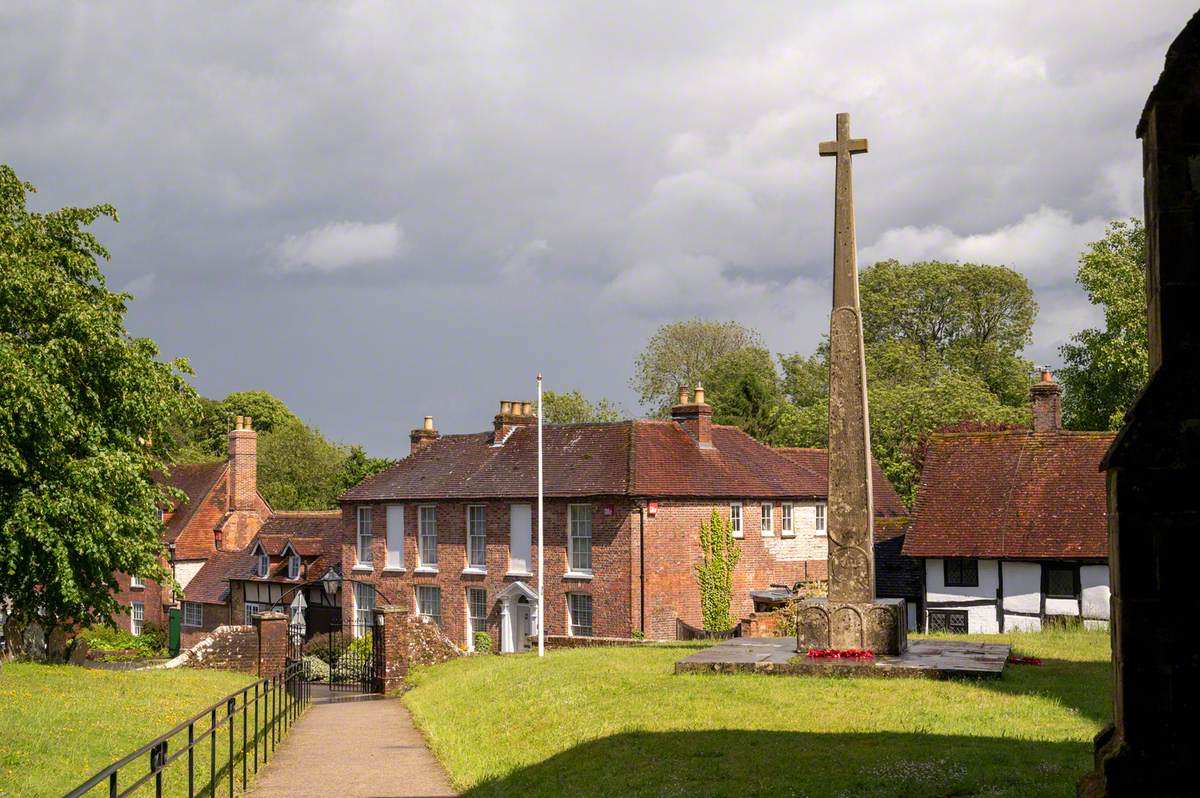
(353, 747)
(777, 655)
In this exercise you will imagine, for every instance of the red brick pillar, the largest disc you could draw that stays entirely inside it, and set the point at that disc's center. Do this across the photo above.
(391, 624)
(272, 643)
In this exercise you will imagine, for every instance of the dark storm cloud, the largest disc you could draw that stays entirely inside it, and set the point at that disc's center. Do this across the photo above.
(379, 211)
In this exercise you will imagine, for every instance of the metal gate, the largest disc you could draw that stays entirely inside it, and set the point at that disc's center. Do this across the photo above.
(347, 657)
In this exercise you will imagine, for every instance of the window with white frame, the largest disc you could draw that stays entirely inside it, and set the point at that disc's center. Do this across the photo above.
(294, 566)
(364, 608)
(253, 608)
(476, 537)
(819, 525)
(137, 617)
(786, 529)
(767, 526)
(262, 563)
(193, 613)
(579, 605)
(366, 536)
(476, 614)
(429, 602)
(135, 581)
(581, 537)
(735, 519)
(159, 512)
(395, 536)
(427, 536)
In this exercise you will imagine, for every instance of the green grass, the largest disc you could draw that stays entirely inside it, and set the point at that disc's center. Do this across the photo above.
(592, 722)
(60, 724)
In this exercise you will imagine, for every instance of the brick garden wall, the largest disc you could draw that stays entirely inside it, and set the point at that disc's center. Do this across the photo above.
(233, 648)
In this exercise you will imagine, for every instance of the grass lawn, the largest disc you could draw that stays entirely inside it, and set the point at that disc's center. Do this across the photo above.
(590, 722)
(60, 724)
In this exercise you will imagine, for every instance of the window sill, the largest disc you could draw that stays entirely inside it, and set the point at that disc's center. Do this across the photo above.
(521, 574)
(394, 569)
(363, 569)
(583, 575)
(788, 536)
(474, 572)
(425, 569)
(737, 535)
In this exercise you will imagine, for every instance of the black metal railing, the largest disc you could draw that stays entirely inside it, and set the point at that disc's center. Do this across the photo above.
(346, 658)
(265, 709)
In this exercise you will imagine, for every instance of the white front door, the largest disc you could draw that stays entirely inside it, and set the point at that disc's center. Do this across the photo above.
(520, 627)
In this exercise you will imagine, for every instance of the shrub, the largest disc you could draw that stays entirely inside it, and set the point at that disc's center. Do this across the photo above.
(638, 634)
(719, 555)
(151, 643)
(315, 669)
(483, 643)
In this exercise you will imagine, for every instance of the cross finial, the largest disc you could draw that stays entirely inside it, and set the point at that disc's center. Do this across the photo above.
(844, 144)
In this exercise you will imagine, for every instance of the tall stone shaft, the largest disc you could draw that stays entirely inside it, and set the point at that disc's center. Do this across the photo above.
(850, 511)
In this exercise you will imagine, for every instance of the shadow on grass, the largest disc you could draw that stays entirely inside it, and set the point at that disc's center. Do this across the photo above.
(730, 762)
(1084, 687)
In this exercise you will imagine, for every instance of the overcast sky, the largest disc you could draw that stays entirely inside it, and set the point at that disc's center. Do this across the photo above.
(379, 211)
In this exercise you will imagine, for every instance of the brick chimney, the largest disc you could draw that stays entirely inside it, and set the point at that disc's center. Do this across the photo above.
(420, 438)
(695, 417)
(512, 415)
(241, 521)
(1045, 396)
(243, 465)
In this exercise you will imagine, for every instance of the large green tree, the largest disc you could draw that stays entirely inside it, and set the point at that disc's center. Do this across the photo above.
(682, 353)
(1105, 369)
(86, 412)
(298, 469)
(572, 407)
(744, 390)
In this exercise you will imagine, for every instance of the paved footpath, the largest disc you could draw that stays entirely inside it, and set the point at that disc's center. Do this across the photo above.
(353, 748)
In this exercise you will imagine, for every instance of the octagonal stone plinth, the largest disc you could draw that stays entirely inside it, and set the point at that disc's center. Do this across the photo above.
(880, 626)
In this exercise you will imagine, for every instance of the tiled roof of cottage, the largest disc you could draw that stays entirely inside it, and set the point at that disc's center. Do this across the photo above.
(315, 536)
(887, 501)
(896, 576)
(638, 458)
(195, 480)
(1012, 494)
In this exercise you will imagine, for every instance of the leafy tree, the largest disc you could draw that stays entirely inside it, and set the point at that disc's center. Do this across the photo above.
(298, 469)
(358, 466)
(743, 388)
(682, 352)
(572, 407)
(974, 318)
(86, 412)
(806, 379)
(1105, 369)
(719, 555)
(207, 438)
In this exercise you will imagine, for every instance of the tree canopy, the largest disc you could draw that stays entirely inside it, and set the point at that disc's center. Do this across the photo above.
(1105, 369)
(86, 412)
(682, 353)
(572, 407)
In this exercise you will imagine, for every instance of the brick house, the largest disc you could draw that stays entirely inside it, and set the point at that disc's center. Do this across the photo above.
(450, 530)
(1012, 527)
(220, 514)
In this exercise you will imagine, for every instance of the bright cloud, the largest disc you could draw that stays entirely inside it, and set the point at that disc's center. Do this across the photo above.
(337, 246)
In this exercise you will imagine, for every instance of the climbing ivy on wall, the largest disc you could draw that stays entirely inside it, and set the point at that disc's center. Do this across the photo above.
(719, 556)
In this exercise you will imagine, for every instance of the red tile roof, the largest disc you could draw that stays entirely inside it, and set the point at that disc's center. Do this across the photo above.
(1012, 494)
(315, 536)
(195, 480)
(887, 501)
(636, 458)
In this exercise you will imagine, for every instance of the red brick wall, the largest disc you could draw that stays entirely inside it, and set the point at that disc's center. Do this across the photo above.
(215, 615)
(151, 595)
(610, 585)
(673, 549)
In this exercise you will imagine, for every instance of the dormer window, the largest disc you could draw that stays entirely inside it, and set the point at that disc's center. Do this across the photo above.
(262, 563)
(294, 566)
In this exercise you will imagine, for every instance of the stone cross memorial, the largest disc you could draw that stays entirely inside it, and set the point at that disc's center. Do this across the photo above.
(851, 617)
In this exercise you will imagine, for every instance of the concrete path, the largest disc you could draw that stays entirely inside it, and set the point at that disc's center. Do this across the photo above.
(353, 747)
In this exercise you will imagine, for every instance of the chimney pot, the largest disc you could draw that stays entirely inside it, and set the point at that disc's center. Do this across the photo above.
(527, 408)
(249, 424)
(428, 422)
(418, 439)
(683, 395)
(699, 393)
(505, 408)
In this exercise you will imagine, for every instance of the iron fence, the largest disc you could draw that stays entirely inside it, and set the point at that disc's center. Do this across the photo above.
(266, 710)
(346, 658)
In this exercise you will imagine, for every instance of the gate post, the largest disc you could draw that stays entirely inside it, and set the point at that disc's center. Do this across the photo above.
(393, 658)
(272, 630)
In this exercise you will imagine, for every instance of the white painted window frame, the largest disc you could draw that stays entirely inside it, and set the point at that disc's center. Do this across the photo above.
(571, 614)
(364, 608)
(821, 518)
(365, 534)
(137, 617)
(135, 582)
(735, 519)
(474, 567)
(427, 554)
(572, 569)
(766, 523)
(253, 608)
(422, 606)
(472, 619)
(787, 520)
(188, 608)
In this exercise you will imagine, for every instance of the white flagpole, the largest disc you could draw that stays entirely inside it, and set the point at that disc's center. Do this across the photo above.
(541, 625)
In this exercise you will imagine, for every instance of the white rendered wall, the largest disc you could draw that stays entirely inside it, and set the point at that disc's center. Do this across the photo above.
(1093, 580)
(1022, 594)
(186, 571)
(1061, 606)
(981, 619)
(1022, 623)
